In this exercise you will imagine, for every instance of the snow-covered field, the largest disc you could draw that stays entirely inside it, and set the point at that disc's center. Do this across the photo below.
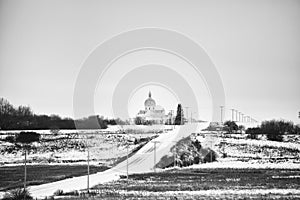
(241, 152)
(105, 146)
(250, 164)
(70, 146)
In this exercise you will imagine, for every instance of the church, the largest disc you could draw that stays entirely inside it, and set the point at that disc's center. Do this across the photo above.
(152, 113)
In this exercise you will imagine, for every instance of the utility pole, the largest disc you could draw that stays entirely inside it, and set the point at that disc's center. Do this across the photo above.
(88, 170)
(192, 116)
(187, 113)
(127, 173)
(221, 114)
(232, 114)
(127, 163)
(25, 172)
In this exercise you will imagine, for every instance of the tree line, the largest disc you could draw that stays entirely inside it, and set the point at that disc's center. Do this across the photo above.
(273, 129)
(23, 118)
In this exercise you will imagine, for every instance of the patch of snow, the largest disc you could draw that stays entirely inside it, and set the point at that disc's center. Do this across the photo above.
(234, 164)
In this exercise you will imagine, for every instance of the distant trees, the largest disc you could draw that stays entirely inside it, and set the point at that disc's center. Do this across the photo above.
(117, 121)
(11, 117)
(179, 117)
(91, 122)
(274, 130)
(6, 108)
(297, 129)
(23, 118)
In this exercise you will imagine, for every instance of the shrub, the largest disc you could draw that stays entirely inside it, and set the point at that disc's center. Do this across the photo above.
(54, 131)
(211, 156)
(17, 194)
(275, 129)
(165, 161)
(197, 144)
(10, 139)
(253, 133)
(27, 137)
(58, 192)
(231, 127)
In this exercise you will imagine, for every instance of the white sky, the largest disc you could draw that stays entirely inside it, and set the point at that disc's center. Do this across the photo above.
(162, 94)
(253, 44)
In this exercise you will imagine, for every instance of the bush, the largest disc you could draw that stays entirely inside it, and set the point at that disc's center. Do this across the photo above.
(275, 129)
(275, 137)
(211, 156)
(165, 162)
(58, 192)
(297, 130)
(253, 133)
(10, 139)
(231, 127)
(27, 137)
(17, 194)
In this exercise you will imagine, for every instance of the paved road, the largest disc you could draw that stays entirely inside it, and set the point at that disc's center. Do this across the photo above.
(142, 161)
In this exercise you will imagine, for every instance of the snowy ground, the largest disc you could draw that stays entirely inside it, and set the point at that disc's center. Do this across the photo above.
(251, 164)
(249, 153)
(70, 146)
(241, 153)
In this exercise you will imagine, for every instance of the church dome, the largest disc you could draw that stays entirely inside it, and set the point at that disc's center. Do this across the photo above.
(149, 101)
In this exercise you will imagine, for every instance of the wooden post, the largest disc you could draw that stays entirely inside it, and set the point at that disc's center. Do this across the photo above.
(88, 171)
(25, 172)
(221, 107)
(175, 155)
(127, 163)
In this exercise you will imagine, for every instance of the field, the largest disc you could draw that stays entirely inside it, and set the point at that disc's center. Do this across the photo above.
(245, 168)
(13, 176)
(70, 146)
(205, 184)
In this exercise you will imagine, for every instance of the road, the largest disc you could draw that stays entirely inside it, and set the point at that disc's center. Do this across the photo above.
(141, 161)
